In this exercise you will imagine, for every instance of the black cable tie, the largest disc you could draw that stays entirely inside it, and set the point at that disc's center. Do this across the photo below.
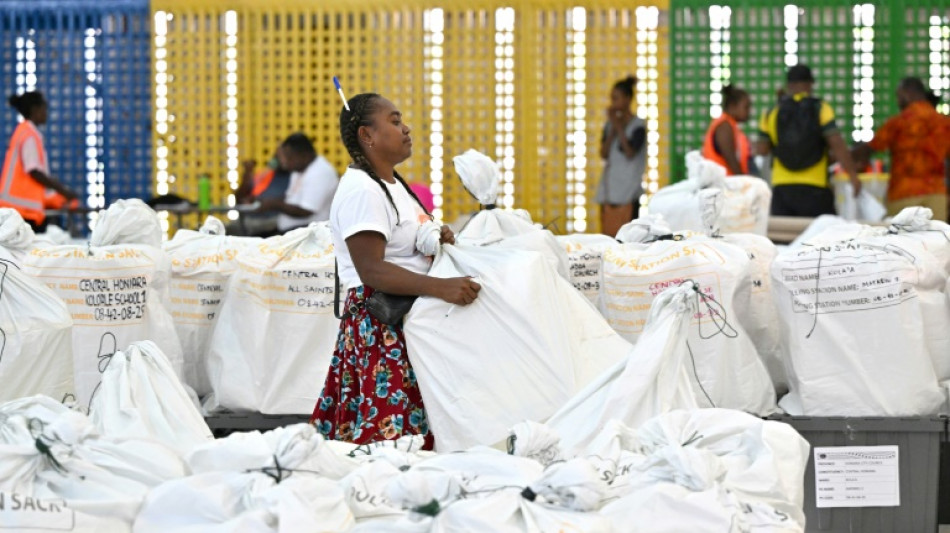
(430, 509)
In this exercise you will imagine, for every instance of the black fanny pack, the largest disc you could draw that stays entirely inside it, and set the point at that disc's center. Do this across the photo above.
(389, 309)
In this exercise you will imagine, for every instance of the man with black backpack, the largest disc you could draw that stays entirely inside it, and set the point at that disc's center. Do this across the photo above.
(800, 132)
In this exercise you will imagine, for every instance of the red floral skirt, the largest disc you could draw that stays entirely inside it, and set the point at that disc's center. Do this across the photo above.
(371, 393)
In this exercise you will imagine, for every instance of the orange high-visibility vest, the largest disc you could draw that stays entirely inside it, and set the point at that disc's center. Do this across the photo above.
(17, 188)
(262, 182)
(742, 144)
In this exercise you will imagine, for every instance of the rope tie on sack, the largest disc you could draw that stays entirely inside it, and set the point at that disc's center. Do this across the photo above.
(4, 268)
(105, 359)
(43, 443)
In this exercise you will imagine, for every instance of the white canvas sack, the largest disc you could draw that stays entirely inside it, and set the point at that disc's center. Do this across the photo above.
(272, 345)
(746, 199)
(651, 380)
(127, 222)
(245, 502)
(864, 207)
(725, 369)
(713, 470)
(202, 263)
(498, 227)
(868, 326)
(141, 397)
(266, 482)
(36, 351)
(16, 236)
(26, 514)
(63, 457)
(523, 348)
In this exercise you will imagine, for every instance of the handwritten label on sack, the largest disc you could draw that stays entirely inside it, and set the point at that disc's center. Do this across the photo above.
(292, 290)
(824, 282)
(585, 271)
(197, 300)
(97, 300)
(107, 287)
(18, 512)
(857, 476)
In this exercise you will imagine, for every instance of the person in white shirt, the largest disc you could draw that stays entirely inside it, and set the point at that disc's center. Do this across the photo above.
(312, 184)
(371, 393)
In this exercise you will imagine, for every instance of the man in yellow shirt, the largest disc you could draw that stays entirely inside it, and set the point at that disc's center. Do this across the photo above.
(799, 132)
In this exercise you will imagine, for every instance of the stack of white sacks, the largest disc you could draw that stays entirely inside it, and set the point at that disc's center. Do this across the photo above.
(726, 368)
(145, 462)
(745, 199)
(115, 287)
(642, 382)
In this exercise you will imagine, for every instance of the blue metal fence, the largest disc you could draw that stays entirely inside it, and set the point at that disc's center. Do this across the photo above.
(91, 60)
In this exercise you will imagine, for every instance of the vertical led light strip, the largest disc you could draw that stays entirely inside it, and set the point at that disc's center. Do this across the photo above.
(505, 101)
(95, 174)
(791, 35)
(231, 66)
(720, 19)
(25, 64)
(576, 121)
(160, 29)
(648, 21)
(434, 20)
(940, 59)
(863, 73)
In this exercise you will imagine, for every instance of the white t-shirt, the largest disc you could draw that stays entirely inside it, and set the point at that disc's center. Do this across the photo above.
(312, 190)
(361, 205)
(30, 153)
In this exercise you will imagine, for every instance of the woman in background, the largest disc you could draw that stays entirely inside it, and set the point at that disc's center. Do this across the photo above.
(621, 145)
(26, 175)
(725, 142)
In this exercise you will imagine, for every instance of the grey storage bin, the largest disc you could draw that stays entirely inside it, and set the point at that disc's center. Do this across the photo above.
(919, 442)
(222, 425)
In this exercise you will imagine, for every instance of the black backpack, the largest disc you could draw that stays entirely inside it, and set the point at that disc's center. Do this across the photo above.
(800, 141)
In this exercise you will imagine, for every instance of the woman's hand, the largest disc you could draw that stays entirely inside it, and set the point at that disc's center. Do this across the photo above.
(615, 117)
(446, 236)
(458, 291)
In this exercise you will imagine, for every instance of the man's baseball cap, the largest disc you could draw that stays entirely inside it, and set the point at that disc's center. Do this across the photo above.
(799, 73)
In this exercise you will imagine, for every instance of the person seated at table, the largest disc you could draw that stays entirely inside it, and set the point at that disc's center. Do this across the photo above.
(255, 187)
(313, 181)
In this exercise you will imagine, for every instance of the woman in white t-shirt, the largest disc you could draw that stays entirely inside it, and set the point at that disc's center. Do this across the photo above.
(371, 392)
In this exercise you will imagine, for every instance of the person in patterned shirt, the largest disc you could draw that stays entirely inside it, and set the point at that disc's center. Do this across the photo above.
(918, 139)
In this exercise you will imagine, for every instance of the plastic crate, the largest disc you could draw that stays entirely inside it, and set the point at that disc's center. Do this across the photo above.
(919, 440)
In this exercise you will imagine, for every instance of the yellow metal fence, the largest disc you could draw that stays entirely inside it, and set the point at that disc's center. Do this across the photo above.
(525, 82)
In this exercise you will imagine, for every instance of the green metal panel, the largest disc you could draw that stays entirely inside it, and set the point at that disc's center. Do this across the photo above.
(758, 49)
(905, 43)
(689, 28)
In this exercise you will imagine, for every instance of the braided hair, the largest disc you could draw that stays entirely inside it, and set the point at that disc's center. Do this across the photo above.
(362, 107)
